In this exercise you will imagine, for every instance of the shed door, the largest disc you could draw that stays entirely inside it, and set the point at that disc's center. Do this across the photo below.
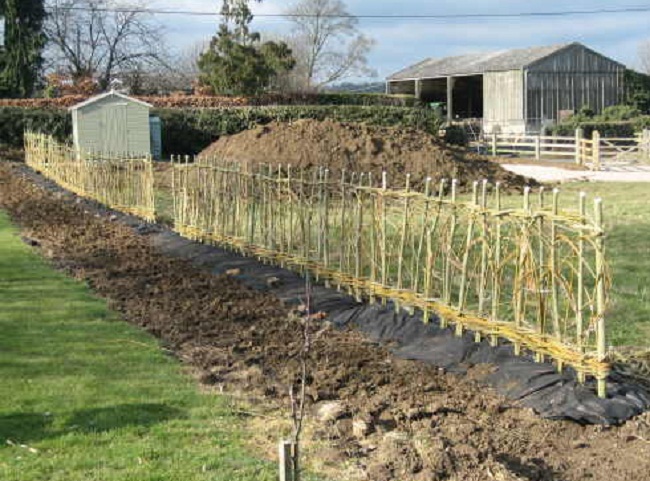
(114, 131)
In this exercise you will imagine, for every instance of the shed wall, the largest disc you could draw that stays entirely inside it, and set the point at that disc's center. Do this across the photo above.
(503, 102)
(112, 125)
(569, 80)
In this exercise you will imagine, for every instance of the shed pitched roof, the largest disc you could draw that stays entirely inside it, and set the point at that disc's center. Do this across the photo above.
(478, 63)
(112, 93)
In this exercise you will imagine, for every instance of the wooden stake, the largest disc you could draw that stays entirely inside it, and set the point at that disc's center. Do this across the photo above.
(580, 302)
(449, 252)
(601, 341)
(402, 244)
(342, 230)
(484, 250)
(373, 236)
(285, 451)
(358, 228)
(555, 274)
(384, 234)
(496, 268)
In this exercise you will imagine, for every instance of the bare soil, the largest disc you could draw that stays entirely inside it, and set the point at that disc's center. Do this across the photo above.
(396, 420)
(362, 148)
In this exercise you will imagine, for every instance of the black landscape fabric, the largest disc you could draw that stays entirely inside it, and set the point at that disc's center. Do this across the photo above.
(535, 385)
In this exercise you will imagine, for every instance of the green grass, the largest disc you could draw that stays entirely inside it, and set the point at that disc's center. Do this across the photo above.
(626, 209)
(96, 398)
(627, 222)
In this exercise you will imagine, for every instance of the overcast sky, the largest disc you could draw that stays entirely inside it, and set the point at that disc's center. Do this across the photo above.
(404, 42)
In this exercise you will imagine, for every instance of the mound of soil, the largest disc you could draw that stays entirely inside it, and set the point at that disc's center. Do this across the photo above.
(394, 419)
(362, 148)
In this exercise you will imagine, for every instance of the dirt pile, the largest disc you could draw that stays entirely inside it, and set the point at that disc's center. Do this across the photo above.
(362, 148)
(394, 419)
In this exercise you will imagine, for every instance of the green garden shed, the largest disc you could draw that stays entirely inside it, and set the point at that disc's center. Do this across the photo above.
(112, 124)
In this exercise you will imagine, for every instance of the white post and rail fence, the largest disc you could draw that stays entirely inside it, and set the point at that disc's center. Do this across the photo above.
(595, 153)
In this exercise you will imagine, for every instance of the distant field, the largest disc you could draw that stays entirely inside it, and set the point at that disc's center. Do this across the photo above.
(87, 397)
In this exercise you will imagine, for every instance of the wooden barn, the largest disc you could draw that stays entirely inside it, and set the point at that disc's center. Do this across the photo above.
(515, 91)
(112, 124)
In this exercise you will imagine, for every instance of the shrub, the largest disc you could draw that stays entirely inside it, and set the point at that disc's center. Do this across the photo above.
(606, 129)
(619, 113)
(15, 120)
(614, 121)
(456, 135)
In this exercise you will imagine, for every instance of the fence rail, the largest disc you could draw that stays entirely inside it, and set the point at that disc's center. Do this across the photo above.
(595, 153)
(532, 274)
(124, 184)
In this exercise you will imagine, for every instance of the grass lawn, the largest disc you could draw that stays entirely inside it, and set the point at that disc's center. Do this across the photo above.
(627, 221)
(626, 208)
(85, 396)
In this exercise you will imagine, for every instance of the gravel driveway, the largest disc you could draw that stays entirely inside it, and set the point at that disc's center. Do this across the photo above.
(636, 173)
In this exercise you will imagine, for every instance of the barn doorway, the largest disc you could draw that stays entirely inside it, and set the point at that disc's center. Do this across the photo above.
(468, 97)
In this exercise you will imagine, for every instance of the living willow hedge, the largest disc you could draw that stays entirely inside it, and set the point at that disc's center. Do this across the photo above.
(188, 131)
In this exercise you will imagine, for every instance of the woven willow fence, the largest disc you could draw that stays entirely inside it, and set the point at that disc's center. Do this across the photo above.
(533, 275)
(124, 184)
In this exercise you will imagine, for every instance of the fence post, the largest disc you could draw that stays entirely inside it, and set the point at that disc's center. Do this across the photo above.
(494, 144)
(645, 144)
(579, 135)
(595, 150)
(600, 293)
(538, 153)
(285, 464)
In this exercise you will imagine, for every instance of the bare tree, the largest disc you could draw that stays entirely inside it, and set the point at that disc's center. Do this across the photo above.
(327, 43)
(187, 61)
(102, 38)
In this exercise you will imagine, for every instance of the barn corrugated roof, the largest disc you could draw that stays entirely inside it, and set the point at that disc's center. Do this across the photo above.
(477, 63)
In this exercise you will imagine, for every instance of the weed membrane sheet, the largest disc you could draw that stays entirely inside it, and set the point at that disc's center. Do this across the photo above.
(535, 385)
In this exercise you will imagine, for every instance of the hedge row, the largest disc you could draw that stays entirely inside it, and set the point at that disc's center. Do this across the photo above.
(188, 131)
(606, 129)
(15, 120)
(219, 102)
(335, 98)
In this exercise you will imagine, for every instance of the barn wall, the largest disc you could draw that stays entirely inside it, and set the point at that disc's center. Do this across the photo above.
(569, 80)
(503, 102)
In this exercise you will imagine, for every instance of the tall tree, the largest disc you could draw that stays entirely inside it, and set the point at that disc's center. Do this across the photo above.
(24, 42)
(327, 42)
(102, 38)
(237, 62)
